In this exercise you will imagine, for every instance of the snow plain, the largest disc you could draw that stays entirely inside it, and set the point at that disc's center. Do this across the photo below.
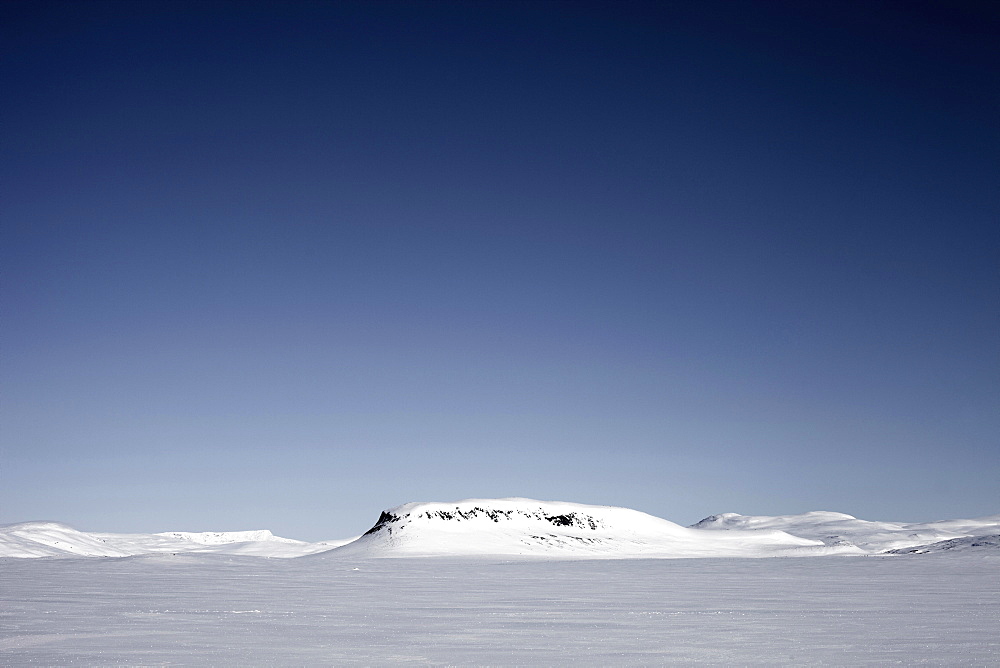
(553, 584)
(940, 609)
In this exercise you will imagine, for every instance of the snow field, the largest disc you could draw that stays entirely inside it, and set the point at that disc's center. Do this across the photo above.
(937, 609)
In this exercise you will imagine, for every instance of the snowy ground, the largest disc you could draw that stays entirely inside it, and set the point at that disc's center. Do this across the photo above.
(510, 582)
(219, 609)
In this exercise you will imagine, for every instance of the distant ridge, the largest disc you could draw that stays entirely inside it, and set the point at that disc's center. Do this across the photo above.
(840, 529)
(539, 529)
(54, 539)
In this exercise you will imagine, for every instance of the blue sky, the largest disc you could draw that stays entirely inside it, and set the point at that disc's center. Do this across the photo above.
(285, 265)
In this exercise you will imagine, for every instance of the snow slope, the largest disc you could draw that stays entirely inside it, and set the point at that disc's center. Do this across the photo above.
(845, 530)
(986, 544)
(52, 539)
(527, 527)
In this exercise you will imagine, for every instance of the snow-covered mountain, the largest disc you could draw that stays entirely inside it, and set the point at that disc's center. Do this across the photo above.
(525, 527)
(53, 539)
(845, 530)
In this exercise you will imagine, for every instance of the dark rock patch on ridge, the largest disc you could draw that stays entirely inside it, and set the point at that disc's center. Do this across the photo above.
(458, 514)
(383, 519)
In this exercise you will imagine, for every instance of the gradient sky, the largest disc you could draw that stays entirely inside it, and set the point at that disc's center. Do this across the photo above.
(283, 266)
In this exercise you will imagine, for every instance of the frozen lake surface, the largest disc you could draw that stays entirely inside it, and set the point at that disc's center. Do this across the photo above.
(224, 610)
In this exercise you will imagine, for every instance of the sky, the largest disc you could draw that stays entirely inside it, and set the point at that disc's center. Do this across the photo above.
(284, 265)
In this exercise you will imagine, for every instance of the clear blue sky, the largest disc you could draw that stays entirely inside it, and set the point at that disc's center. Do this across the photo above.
(284, 265)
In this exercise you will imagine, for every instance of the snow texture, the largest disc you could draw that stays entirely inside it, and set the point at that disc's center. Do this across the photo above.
(330, 609)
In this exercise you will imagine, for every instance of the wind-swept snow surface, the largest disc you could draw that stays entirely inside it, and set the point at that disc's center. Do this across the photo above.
(936, 609)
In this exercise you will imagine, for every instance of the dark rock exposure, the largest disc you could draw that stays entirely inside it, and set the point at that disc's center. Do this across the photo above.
(572, 519)
(383, 520)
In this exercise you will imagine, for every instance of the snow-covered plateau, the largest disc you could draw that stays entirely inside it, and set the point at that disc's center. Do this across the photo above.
(510, 582)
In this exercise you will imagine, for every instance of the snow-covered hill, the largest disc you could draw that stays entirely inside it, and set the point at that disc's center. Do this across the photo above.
(845, 530)
(525, 527)
(53, 539)
(987, 544)
(566, 530)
